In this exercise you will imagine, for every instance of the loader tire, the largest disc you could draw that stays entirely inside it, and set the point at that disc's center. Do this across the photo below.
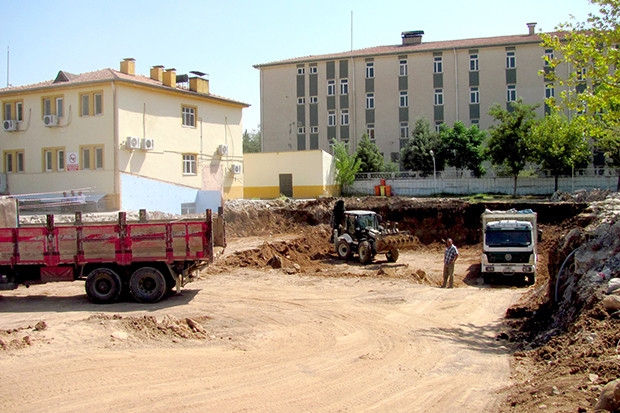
(343, 249)
(103, 286)
(364, 250)
(392, 255)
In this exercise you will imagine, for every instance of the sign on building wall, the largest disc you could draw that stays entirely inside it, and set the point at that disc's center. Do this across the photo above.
(72, 161)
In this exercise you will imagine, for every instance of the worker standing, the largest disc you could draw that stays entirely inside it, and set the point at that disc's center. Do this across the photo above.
(449, 258)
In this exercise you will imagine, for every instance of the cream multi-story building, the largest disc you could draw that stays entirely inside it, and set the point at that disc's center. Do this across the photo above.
(381, 91)
(127, 141)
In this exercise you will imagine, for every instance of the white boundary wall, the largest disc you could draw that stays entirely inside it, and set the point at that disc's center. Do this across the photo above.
(470, 186)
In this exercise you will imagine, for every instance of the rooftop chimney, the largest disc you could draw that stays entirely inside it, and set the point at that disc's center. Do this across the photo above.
(170, 78)
(157, 73)
(128, 66)
(414, 37)
(198, 83)
(532, 28)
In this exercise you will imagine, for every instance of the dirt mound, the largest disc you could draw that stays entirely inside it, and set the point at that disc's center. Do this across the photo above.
(19, 338)
(581, 195)
(149, 328)
(299, 253)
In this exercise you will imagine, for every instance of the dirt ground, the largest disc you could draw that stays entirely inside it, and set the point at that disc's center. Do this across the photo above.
(304, 332)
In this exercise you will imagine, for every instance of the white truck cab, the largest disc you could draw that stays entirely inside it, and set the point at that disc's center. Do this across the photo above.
(509, 245)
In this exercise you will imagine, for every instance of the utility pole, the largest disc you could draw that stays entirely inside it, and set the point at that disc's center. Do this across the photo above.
(7, 66)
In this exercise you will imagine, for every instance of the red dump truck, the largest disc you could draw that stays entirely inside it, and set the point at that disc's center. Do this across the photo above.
(145, 259)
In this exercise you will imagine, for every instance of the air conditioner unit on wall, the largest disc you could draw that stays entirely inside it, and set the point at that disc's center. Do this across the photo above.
(236, 168)
(148, 144)
(132, 142)
(9, 125)
(222, 149)
(50, 120)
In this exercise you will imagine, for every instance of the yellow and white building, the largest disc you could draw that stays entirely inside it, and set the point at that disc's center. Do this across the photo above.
(127, 141)
(308, 174)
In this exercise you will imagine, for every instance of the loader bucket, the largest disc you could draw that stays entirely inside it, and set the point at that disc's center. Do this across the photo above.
(387, 242)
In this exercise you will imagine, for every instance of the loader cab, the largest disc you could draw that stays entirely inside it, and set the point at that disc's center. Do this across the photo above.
(360, 219)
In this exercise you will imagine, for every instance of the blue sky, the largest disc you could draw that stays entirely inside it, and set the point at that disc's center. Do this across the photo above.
(226, 38)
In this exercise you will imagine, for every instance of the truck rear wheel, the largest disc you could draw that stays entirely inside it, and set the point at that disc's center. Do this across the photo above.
(392, 255)
(364, 250)
(103, 286)
(343, 249)
(530, 279)
(147, 285)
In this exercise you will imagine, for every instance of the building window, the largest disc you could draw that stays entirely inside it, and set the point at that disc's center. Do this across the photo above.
(475, 122)
(98, 157)
(54, 106)
(548, 56)
(331, 118)
(344, 117)
(474, 95)
(438, 97)
(60, 107)
(511, 93)
(581, 74)
(438, 64)
(370, 70)
(47, 106)
(301, 130)
(13, 161)
(314, 70)
(48, 160)
(403, 69)
(344, 87)
(188, 115)
(438, 124)
(8, 111)
(314, 100)
(370, 131)
(370, 100)
(85, 105)
(60, 159)
(301, 101)
(189, 164)
(314, 129)
(331, 87)
(301, 70)
(98, 98)
(404, 99)
(549, 90)
(511, 59)
(92, 157)
(473, 62)
(19, 111)
(91, 104)
(13, 110)
(404, 130)
(53, 159)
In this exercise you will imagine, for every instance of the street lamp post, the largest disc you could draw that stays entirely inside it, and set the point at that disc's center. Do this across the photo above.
(434, 172)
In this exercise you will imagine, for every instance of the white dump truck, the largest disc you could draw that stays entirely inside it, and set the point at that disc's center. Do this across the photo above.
(509, 245)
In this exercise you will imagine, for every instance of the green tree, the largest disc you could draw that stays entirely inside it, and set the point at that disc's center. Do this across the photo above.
(462, 147)
(559, 145)
(416, 155)
(507, 145)
(590, 48)
(346, 164)
(369, 156)
(251, 141)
